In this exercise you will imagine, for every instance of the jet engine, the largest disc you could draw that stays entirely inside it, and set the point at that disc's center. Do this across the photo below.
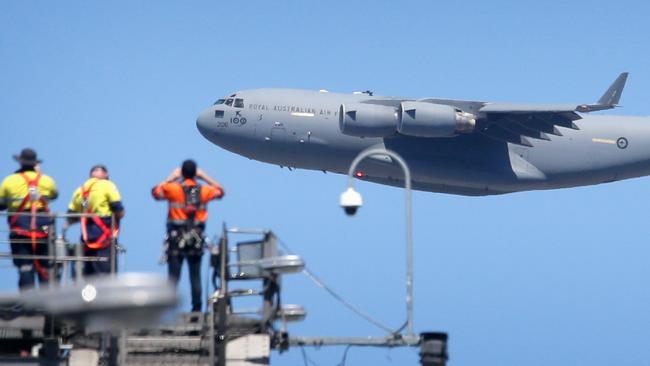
(422, 119)
(367, 120)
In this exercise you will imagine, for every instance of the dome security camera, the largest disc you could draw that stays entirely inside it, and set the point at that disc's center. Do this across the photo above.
(350, 201)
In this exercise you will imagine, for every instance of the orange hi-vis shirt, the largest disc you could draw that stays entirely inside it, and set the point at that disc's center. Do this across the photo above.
(174, 193)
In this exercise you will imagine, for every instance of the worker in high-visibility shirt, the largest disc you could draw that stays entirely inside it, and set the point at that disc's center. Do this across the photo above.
(100, 202)
(25, 195)
(186, 220)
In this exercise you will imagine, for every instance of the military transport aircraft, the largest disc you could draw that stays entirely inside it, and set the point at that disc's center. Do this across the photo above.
(452, 146)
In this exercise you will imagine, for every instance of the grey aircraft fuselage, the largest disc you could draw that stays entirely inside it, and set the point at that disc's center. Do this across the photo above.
(301, 129)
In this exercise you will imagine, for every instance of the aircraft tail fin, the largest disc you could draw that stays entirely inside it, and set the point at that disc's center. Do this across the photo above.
(613, 95)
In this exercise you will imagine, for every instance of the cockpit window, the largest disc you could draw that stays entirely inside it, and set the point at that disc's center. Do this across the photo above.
(220, 101)
(229, 102)
(239, 103)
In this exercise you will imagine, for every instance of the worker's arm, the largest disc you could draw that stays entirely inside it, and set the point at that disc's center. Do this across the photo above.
(52, 190)
(202, 175)
(3, 200)
(115, 202)
(158, 192)
(74, 207)
(54, 193)
(175, 174)
(118, 210)
(70, 219)
(3, 196)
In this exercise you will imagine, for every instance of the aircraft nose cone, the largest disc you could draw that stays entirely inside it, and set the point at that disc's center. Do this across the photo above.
(205, 123)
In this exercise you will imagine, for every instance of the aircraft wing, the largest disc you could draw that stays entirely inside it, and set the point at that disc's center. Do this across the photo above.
(518, 123)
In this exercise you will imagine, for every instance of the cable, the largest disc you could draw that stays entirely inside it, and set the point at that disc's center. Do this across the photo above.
(346, 303)
(338, 297)
(345, 355)
(304, 355)
(306, 358)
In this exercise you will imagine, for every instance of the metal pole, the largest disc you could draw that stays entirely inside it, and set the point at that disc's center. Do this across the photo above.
(211, 334)
(222, 301)
(409, 221)
(122, 351)
(78, 268)
(407, 341)
(50, 258)
(51, 246)
(113, 247)
(223, 263)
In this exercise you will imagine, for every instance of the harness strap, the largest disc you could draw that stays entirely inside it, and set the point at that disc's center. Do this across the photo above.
(32, 197)
(23, 232)
(32, 184)
(183, 222)
(184, 206)
(37, 264)
(101, 242)
(190, 207)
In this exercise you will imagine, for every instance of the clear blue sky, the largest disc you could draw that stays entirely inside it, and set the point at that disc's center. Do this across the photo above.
(537, 278)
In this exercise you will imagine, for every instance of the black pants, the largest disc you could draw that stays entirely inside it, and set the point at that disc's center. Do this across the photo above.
(27, 272)
(175, 263)
(98, 268)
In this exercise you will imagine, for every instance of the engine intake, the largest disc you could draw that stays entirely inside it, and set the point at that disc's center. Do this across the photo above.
(422, 119)
(367, 120)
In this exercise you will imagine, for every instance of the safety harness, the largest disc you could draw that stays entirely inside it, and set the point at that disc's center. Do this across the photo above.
(104, 240)
(192, 203)
(33, 196)
(190, 238)
(190, 206)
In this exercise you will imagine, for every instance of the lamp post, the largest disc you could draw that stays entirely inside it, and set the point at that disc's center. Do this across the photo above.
(351, 200)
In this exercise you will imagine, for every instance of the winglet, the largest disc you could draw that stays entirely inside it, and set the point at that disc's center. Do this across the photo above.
(613, 95)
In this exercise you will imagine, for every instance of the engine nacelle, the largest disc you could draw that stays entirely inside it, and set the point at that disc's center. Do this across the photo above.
(422, 119)
(367, 120)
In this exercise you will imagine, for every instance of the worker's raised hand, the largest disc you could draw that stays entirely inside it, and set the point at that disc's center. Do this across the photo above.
(200, 174)
(203, 175)
(175, 174)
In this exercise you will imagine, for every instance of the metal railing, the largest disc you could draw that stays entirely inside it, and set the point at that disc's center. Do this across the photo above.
(60, 252)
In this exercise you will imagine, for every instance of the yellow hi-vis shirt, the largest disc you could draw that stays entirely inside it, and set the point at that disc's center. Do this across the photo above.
(102, 194)
(14, 188)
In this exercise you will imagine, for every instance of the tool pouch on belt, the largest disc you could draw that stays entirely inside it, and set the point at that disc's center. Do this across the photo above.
(185, 242)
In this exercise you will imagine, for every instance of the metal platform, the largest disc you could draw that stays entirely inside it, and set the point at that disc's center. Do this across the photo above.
(116, 320)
